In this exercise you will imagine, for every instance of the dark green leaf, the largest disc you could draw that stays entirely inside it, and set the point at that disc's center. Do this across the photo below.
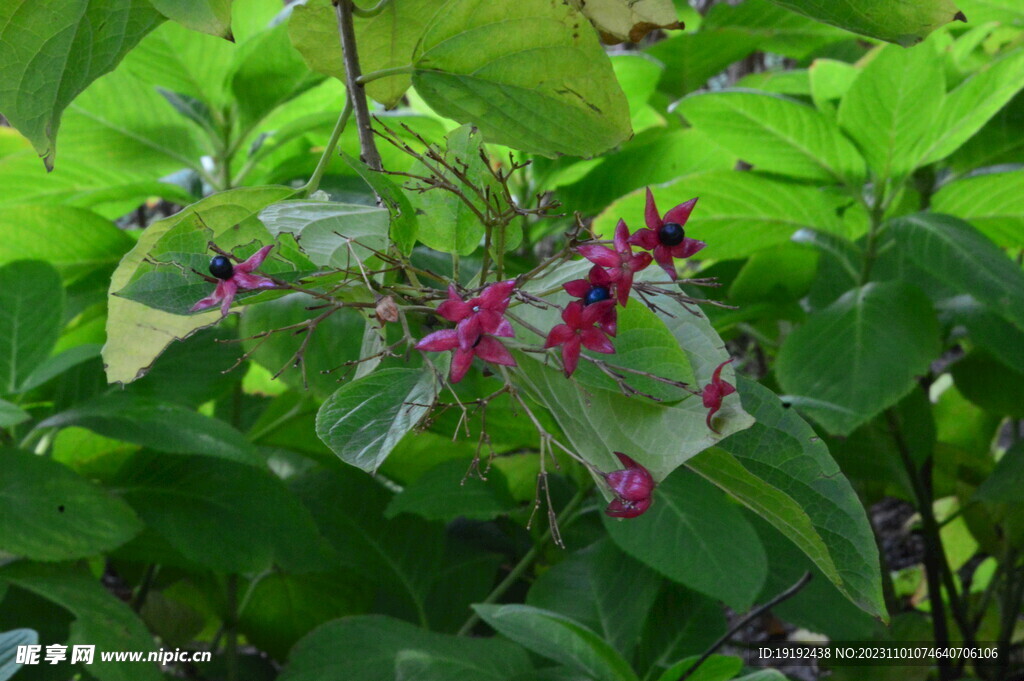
(12, 414)
(956, 254)
(384, 649)
(603, 589)
(31, 311)
(101, 619)
(559, 638)
(990, 384)
(163, 426)
(449, 490)
(258, 521)
(51, 513)
(673, 537)
(859, 355)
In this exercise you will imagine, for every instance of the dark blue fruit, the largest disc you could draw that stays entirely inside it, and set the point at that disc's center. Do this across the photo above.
(671, 234)
(596, 294)
(221, 267)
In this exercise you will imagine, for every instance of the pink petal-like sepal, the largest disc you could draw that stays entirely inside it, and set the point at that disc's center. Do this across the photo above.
(461, 361)
(681, 213)
(714, 392)
(571, 355)
(254, 260)
(249, 282)
(595, 339)
(651, 216)
(491, 350)
(645, 238)
(439, 341)
(688, 248)
(599, 255)
(496, 297)
(621, 239)
(577, 288)
(454, 309)
(558, 335)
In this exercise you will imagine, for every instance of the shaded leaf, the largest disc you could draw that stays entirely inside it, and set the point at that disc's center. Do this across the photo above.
(448, 491)
(52, 513)
(31, 317)
(906, 23)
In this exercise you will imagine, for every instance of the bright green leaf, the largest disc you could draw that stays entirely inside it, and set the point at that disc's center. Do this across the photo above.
(907, 22)
(738, 213)
(364, 420)
(52, 513)
(208, 16)
(530, 75)
(859, 355)
(891, 108)
(992, 202)
(775, 134)
(51, 51)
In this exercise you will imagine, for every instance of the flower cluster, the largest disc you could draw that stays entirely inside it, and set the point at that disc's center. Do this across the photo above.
(478, 323)
(632, 486)
(590, 322)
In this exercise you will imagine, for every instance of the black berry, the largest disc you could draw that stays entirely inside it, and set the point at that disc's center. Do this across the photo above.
(221, 267)
(671, 234)
(596, 294)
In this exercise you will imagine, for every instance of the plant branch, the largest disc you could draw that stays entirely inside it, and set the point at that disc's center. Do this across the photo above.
(745, 620)
(372, 11)
(332, 144)
(356, 91)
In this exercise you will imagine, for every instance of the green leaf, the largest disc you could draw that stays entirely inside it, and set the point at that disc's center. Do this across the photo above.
(906, 23)
(620, 21)
(12, 414)
(73, 240)
(52, 513)
(383, 649)
(259, 521)
(100, 618)
(783, 472)
(603, 589)
(163, 426)
(681, 623)
(891, 107)
(973, 103)
(331, 234)
(1003, 484)
(446, 222)
(10, 641)
(31, 317)
(207, 16)
(644, 343)
(530, 75)
(990, 384)
(738, 213)
(956, 254)
(335, 341)
(992, 202)
(653, 157)
(385, 41)
(832, 366)
(775, 134)
(404, 222)
(777, 30)
(673, 538)
(365, 418)
(283, 608)
(692, 59)
(268, 73)
(51, 52)
(559, 638)
(983, 11)
(715, 668)
(137, 334)
(448, 491)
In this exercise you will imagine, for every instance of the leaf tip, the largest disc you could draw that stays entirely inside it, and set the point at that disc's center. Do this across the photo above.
(960, 16)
